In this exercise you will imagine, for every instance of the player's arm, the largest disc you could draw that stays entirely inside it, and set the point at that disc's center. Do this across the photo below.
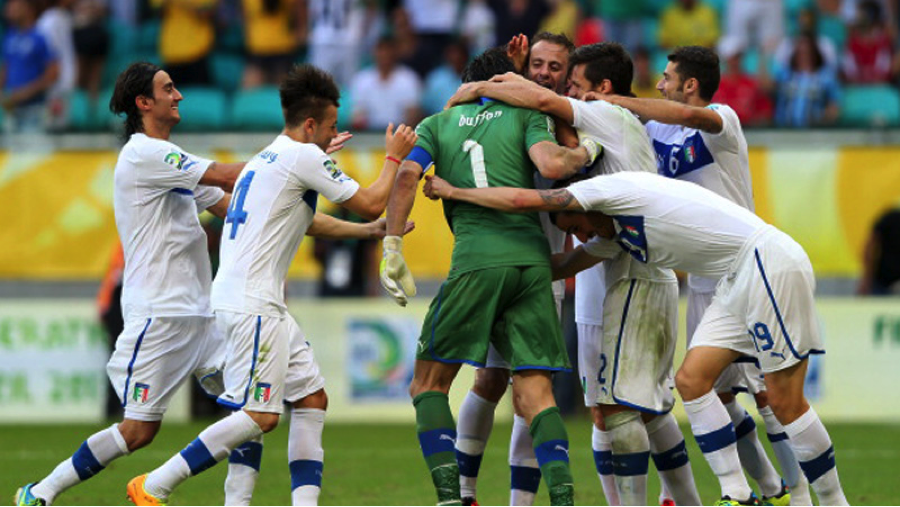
(568, 264)
(394, 274)
(370, 202)
(670, 112)
(220, 208)
(507, 199)
(327, 226)
(222, 175)
(517, 91)
(557, 162)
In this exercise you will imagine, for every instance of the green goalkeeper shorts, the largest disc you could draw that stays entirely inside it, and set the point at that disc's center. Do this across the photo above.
(511, 307)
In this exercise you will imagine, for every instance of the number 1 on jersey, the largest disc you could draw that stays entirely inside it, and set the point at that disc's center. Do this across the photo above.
(236, 214)
(476, 158)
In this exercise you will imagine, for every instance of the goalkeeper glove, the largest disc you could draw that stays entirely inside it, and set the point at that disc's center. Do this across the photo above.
(594, 149)
(395, 276)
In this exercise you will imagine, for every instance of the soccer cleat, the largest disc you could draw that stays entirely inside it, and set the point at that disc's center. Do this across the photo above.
(727, 500)
(469, 500)
(24, 496)
(782, 498)
(138, 495)
(667, 502)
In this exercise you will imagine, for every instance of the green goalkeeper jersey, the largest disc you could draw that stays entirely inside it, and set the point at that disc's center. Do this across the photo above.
(485, 144)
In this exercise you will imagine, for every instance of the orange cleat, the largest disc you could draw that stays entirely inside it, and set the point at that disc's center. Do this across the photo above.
(138, 495)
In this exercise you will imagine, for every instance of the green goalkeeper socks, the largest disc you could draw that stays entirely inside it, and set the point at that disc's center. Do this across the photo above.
(551, 447)
(437, 438)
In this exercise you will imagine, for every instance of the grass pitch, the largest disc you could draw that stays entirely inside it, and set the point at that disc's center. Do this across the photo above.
(381, 465)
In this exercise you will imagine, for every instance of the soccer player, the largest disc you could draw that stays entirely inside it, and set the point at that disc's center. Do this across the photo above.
(702, 142)
(169, 332)
(498, 290)
(763, 307)
(268, 360)
(627, 361)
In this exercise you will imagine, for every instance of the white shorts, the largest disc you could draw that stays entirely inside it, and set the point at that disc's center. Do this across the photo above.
(764, 308)
(640, 328)
(743, 376)
(495, 360)
(268, 362)
(153, 356)
(592, 363)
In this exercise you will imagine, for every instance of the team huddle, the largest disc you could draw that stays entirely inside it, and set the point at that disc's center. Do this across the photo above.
(541, 140)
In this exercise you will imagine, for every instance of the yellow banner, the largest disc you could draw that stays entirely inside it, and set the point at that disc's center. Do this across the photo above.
(58, 220)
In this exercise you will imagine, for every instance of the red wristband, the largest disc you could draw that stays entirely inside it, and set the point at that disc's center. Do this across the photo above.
(392, 159)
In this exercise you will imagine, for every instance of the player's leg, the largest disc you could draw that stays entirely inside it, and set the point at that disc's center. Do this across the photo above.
(670, 456)
(630, 452)
(601, 447)
(476, 420)
(524, 471)
(790, 468)
(750, 450)
(243, 471)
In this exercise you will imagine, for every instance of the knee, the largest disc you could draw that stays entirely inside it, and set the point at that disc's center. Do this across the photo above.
(265, 420)
(691, 385)
(491, 383)
(787, 407)
(762, 399)
(318, 399)
(138, 435)
(597, 418)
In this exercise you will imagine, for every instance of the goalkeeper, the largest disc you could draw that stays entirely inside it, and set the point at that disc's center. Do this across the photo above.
(498, 289)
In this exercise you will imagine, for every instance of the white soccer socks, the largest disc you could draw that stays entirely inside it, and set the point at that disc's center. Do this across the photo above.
(602, 447)
(473, 428)
(94, 454)
(243, 470)
(213, 444)
(790, 468)
(811, 444)
(630, 456)
(751, 452)
(671, 459)
(525, 475)
(305, 455)
(715, 435)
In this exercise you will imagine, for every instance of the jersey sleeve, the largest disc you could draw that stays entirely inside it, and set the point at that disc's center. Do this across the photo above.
(329, 181)
(539, 127)
(167, 166)
(589, 193)
(599, 118)
(425, 150)
(728, 138)
(206, 196)
(602, 248)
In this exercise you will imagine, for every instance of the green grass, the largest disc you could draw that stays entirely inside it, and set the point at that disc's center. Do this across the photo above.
(381, 465)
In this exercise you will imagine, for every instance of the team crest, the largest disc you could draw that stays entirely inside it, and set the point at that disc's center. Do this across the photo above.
(690, 153)
(175, 159)
(262, 392)
(141, 393)
(332, 169)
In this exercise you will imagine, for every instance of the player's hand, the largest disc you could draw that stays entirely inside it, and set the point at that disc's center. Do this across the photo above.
(395, 276)
(517, 51)
(338, 142)
(437, 188)
(592, 96)
(594, 149)
(509, 77)
(378, 228)
(467, 92)
(398, 143)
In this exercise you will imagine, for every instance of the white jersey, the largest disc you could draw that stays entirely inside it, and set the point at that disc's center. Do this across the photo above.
(156, 199)
(717, 162)
(273, 205)
(668, 223)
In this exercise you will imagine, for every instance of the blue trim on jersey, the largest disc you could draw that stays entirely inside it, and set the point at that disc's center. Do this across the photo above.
(305, 472)
(550, 451)
(676, 457)
(524, 478)
(484, 100)
(469, 464)
(787, 337)
(747, 426)
(85, 463)
(632, 464)
(421, 156)
(437, 440)
(748, 360)
(182, 191)
(248, 454)
(818, 466)
(311, 198)
(236, 406)
(603, 462)
(198, 457)
(677, 159)
(632, 237)
(137, 346)
(716, 440)
(777, 437)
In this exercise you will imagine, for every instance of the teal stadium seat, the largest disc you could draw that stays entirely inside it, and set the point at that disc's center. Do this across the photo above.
(870, 106)
(227, 71)
(202, 110)
(103, 117)
(650, 27)
(257, 110)
(81, 114)
(345, 112)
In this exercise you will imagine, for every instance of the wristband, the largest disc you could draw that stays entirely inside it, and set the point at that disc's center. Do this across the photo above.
(392, 159)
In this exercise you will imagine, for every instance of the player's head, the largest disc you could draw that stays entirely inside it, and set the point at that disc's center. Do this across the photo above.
(492, 62)
(146, 95)
(583, 226)
(692, 71)
(309, 101)
(548, 60)
(21, 13)
(604, 67)
(385, 53)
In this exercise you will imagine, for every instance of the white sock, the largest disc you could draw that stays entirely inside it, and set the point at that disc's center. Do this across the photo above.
(525, 475)
(602, 446)
(473, 428)
(714, 433)
(213, 444)
(94, 454)
(671, 459)
(305, 455)
(751, 452)
(630, 456)
(812, 446)
(790, 469)
(243, 470)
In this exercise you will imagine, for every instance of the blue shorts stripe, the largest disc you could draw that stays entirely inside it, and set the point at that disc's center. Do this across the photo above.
(818, 466)
(306, 472)
(85, 463)
(198, 457)
(777, 437)
(469, 464)
(552, 450)
(747, 426)
(615, 368)
(247, 454)
(137, 347)
(627, 465)
(716, 440)
(524, 478)
(439, 440)
(675, 457)
(238, 406)
(603, 462)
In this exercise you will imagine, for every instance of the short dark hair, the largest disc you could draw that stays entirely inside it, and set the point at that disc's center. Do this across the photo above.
(605, 60)
(133, 82)
(306, 92)
(699, 63)
(560, 39)
(492, 62)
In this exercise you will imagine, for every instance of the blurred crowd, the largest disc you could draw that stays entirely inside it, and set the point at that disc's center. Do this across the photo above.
(786, 63)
